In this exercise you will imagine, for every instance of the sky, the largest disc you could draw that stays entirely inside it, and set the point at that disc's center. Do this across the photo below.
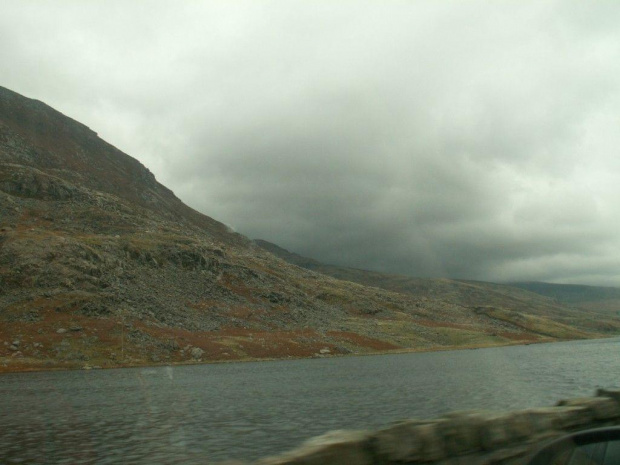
(435, 138)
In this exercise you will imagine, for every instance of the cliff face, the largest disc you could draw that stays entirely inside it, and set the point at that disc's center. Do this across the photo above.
(102, 265)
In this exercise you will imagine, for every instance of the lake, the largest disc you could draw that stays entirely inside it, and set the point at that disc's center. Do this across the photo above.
(203, 413)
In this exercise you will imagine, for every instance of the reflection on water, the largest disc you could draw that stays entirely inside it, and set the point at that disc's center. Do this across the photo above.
(196, 414)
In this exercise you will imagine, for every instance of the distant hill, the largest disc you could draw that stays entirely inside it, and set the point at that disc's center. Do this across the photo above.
(483, 296)
(591, 297)
(101, 265)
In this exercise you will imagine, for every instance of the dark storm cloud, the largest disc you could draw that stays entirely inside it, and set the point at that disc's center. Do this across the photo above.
(437, 138)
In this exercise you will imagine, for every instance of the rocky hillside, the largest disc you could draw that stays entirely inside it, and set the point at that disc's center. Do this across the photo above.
(571, 305)
(100, 265)
(605, 299)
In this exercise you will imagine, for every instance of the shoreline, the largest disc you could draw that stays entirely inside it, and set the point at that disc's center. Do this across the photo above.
(39, 365)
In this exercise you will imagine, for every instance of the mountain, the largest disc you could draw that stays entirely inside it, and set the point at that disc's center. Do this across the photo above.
(56, 158)
(101, 265)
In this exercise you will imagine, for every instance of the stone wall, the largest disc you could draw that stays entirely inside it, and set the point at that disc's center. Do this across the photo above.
(475, 438)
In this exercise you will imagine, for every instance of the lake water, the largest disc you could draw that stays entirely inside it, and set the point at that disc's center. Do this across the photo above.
(204, 413)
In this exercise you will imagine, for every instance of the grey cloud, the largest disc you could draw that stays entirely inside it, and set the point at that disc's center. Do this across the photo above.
(435, 138)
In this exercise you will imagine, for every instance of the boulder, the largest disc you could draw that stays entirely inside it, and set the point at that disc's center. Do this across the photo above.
(561, 418)
(602, 408)
(461, 431)
(333, 448)
(398, 443)
(433, 444)
(196, 353)
(615, 395)
(494, 433)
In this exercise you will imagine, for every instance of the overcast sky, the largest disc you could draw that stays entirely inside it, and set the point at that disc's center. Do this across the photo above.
(468, 139)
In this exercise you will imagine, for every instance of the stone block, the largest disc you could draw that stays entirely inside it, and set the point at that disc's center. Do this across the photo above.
(602, 408)
(494, 432)
(409, 442)
(562, 417)
(462, 432)
(433, 446)
(615, 395)
(541, 420)
(398, 443)
(519, 425)
(497, 430)
(333, 448)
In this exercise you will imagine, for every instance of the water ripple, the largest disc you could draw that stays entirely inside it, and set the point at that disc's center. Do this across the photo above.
(196, 414)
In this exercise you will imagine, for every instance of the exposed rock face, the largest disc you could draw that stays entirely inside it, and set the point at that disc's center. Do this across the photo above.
(90, 240)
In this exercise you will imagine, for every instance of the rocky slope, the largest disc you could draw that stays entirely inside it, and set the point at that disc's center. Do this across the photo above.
(604, 299)
(571, 305)
(100, 265)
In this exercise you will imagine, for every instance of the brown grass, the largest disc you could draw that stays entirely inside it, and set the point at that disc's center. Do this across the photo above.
(362, 341)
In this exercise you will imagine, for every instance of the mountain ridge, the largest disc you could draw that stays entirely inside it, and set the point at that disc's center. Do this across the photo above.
(59, 144)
